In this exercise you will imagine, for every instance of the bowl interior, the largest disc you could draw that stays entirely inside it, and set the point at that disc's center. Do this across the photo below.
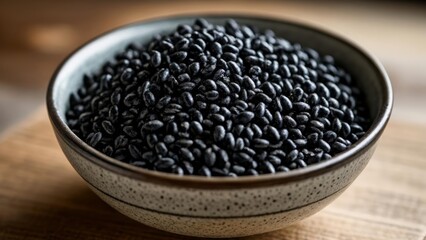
(369, 76)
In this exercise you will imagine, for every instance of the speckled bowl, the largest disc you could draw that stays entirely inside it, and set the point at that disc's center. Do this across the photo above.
(218, 207)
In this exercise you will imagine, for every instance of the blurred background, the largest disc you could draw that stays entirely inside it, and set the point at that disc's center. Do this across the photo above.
(35, 36)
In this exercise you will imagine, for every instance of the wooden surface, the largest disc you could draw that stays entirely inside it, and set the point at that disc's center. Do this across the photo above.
(42, 197)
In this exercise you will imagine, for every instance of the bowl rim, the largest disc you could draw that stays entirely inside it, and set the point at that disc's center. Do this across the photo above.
(361, 146)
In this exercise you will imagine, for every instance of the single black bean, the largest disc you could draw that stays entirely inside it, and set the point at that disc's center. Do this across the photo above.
(292, 156)
(108, 127)
(244, 117)
(239, 144)
(289, 121)
(273, 133)
(184, 142)
(152, 126)
(324, 145)
(219, 133)
(336, 125)
(313, 138)
(339, 146)
(346, 129)
(223, 155)
(317, 124)
(301, 106)
(187, 99)
(95, 139)
(155, 58)
(212, 95)
(260, 143)
(130, 131)
(161, 148)
(209, 157)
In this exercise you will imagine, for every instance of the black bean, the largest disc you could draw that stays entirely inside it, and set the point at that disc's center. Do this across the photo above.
(184, 77)
(164, 101)
(184, 142)
(292, 156)
(289, 121)
(241, 105)
(222, 155)
(244, 158)
(244, 117)
(164, 163)
(336, 125)
(273, 133)
(300, 142)
(346, 129)
(161, 148)
(94, 140)
(169, 139)
(337, 112)
(223, 88)
(356, 128)
(218, 117)
(209, 157)
(313, 138)
(226, 113)
(219, 133)
(317, 124)
(149, 98)
(130, 131)
(120, 141)
(210, 84)
(239, 170)
(212, 95)
(209, 98)
(216, 48)
(339, 146)
(284, 134)
(276, 161)
(264, 98)
(239, 144)
(260, 143)
(196, 127)
(187, 99)
(108, 127)
(301, 106)
(330, 136)
(268, 167)
(233, 66)
(152, 126)
(301, 163)
(135, 152)
(179, 56)
(290, 144)
(278, 119)
(324, 145)
(302, 118)
(230, 48)
(155, 58)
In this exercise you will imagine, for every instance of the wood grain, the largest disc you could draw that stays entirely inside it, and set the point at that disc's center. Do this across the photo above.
(42, 197)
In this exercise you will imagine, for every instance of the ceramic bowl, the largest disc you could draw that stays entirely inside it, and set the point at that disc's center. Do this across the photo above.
(218, 207)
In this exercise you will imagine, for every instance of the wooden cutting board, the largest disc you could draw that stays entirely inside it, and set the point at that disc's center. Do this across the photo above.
(42, 197)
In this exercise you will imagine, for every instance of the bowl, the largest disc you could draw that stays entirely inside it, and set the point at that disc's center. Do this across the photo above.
(218, 207)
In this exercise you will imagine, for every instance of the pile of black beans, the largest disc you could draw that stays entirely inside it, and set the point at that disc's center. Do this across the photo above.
(219, 100)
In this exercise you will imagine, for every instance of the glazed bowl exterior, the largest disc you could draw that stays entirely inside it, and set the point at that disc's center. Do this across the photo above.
(218, 207)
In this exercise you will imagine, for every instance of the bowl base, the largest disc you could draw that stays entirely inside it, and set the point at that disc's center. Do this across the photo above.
(216, 227)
